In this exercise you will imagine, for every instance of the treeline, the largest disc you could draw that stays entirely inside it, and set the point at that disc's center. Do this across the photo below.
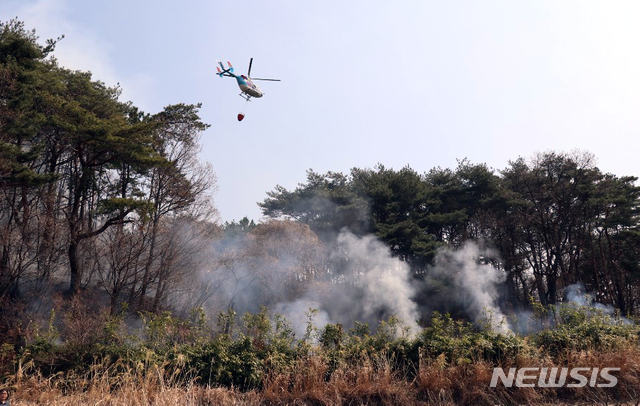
(97, 196)
(553, 221)
(93, 192)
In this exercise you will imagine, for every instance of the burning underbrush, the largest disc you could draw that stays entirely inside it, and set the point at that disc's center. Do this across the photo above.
(258, 360)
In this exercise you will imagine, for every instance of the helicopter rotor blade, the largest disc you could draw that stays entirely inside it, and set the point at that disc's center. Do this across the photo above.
(270, 80)
(250, 63)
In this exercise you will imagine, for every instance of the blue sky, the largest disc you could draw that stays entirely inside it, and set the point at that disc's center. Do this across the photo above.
(419, 83)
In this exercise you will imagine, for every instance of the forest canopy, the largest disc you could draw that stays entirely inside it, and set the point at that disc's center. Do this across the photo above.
(555, 220)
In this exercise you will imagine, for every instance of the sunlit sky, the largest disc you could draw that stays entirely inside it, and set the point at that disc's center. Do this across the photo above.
(419, 83)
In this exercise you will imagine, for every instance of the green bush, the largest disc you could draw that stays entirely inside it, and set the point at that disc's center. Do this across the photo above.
(244, 354)
(584, 328)
(460, 342)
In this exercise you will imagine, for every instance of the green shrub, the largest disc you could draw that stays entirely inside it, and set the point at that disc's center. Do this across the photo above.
(242, 356)
(459, 340)
(585, 328)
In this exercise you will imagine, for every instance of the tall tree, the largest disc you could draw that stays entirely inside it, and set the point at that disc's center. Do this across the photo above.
(327, 203)
(399, 206)
(102, 150)
(23, 79)
(611, 266)
(550, 214)
(176, 191)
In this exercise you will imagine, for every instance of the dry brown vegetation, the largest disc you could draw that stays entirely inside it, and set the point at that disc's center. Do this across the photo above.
(308, 382)
(174, 362)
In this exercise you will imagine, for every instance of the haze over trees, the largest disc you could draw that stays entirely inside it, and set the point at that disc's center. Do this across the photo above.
(555, 221)
(100, 198)
(93, 191)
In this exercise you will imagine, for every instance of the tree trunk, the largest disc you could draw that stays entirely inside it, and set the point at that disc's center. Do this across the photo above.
(74, 268)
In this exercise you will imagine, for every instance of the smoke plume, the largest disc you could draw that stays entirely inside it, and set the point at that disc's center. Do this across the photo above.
(460, 279)
(349, 279)
(367, 285)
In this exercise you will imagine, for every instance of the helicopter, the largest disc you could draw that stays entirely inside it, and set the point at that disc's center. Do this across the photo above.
(245, 82)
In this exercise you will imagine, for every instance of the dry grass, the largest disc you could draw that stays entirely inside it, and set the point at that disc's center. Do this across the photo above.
(309, 382)
(442, 384)
(131, 391)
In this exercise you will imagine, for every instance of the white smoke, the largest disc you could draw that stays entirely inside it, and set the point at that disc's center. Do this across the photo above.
(577, 295)
(367, 285)
(575, 299)
(359, 280)
(300, 313)
(382, 281)
(464, 280)
(370, 285)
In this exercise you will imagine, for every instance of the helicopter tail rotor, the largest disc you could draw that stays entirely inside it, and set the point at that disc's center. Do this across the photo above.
(222, 71)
